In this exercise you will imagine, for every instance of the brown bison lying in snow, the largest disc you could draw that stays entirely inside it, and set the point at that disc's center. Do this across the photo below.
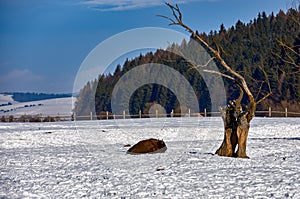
(148, 146)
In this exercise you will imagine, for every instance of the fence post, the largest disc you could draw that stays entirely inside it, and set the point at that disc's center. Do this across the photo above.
(172, 113)
(156, 113)
(286, 112)
(205, 114)
(140, 114)
(270, 112)
(91, 115)
(106, 115)
(189, 112)
(124, 115)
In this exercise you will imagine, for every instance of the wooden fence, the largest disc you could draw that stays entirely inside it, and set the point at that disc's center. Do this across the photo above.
(107, 115)
(205, 113)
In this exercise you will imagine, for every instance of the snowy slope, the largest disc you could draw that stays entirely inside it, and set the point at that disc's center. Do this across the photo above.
(50, 107)
(88, 159)
(4, 99)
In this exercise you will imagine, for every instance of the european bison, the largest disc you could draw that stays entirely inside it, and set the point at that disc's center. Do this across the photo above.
(148, 146)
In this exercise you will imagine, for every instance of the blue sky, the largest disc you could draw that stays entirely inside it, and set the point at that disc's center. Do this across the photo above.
(44, 42)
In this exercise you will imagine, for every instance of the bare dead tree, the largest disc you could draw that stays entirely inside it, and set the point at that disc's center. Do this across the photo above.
(236, 118)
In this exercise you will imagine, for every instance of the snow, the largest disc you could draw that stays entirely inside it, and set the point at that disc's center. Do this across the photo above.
(88, 159)
(4, 99)
(49, 107)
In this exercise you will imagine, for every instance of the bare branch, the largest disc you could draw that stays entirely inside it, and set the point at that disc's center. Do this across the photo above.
(204, 65)
(219, 73)
(237, 102)
(222, 50)
(290, 60)
(267, 81)
(241, 92)
(286, 50)
(264, 97)
(259, 90)
(168, 18)
(178, 18)
(218, 49)
(179, 13)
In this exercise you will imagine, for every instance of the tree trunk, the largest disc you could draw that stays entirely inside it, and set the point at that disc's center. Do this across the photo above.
(242, 133)
(236, 128)
(229, 143)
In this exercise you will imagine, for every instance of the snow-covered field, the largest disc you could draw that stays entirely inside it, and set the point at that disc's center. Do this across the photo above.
(4, 99)
(88, 159)
(49, 107)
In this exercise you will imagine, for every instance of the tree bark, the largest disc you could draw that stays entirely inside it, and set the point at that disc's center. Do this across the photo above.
(236, 128)
(242, 133)
(229, 143)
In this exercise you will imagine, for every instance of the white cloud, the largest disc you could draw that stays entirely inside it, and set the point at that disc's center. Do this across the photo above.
(25, 75)
(118, 5)
(21, 80)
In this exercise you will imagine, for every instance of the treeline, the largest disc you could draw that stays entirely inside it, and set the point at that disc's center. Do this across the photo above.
(32, 118)
(252, 49)
(28, 97)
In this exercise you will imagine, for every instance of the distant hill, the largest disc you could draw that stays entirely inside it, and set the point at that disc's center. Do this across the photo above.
(48, 107)
(28, 97)
(6, 100)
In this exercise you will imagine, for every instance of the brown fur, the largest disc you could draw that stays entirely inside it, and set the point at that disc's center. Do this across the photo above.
(148, 146)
